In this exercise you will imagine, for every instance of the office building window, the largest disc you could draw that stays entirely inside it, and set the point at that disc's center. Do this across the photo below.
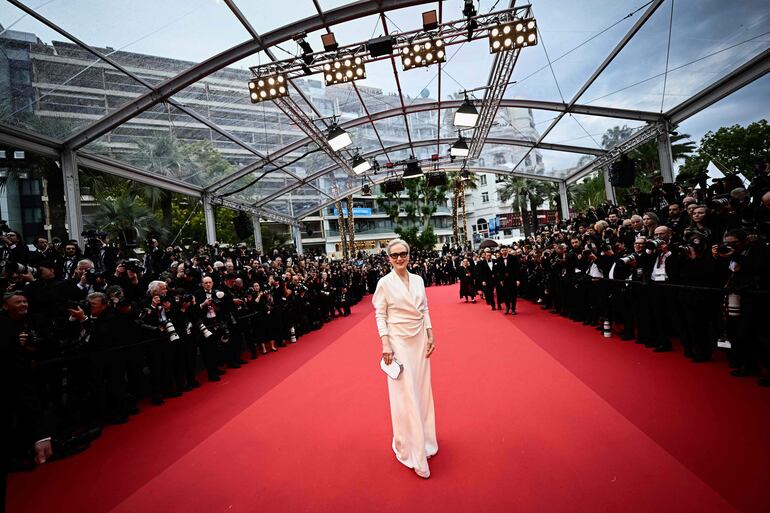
(485, 197)
(483, 179)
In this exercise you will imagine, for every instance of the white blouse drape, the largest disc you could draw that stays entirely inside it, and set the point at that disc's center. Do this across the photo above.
(402, 315)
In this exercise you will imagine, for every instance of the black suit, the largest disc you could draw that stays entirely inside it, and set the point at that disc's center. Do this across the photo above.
(507, 274)
(19, 403)
(486, 277)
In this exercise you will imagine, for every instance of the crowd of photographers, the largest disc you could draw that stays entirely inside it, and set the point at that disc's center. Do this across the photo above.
(91, 331)
(686, 262)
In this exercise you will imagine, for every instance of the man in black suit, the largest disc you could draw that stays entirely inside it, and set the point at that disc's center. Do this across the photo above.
(20, 408)
(486, 277)
(507, 278)
(664, 268)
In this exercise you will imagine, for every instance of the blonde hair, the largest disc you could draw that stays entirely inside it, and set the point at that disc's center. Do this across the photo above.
(396, 242)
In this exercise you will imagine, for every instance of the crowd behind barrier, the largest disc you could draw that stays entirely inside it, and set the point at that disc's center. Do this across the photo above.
(88, 332)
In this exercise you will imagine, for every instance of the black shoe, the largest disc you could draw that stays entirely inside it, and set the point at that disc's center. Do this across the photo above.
(649, 345)
(233, 365)
(221, 371)
(176, 393)
(740, 373)
(701, 359)
(194, 383)
(244, 362)
(626, 337)
(254, 355)
(663, 349)
(763, 382)
(689, 354)
(157, 401)
(118, 420)
(214, 377)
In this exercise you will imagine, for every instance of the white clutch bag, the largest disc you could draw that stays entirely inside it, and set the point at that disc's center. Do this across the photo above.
(393, 370)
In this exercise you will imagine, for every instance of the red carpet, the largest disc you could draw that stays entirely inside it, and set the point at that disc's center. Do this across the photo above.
(534, 413)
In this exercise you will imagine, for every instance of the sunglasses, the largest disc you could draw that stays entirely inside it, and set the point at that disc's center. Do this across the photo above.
(396, 256)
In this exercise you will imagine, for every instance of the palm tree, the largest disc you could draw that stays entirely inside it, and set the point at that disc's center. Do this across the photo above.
(525, 195)
(341, 229)
(351, 226)
(588, 193)
(126, 218)
(459, 185)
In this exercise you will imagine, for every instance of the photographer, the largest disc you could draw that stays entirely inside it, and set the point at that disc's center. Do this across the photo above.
(101, 331)
(161, 353)
(24, 421)
(698, 308)
(13, 248)
(213, 326)
(742, 263)
(665, 268)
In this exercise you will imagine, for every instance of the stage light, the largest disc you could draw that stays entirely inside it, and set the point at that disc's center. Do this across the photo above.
(268, 88)
(436, 179)
(380, 46)
(459, 148)
(466, 115)
(329, 42)
(513, 34)
(429, 20)
(366, 190)
(465, 175)
(360, 165)
(307, 50)
(393, 186)
(423, 53)
(413, 169)
(338, 138)
(344, 69)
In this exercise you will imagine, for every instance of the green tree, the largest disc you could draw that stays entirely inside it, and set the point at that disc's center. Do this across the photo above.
(733, 149)
(126, 219)
(587, 193)
(418, 202)
(525, 196)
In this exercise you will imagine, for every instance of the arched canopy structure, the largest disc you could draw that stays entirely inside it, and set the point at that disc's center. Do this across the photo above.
(98, 85)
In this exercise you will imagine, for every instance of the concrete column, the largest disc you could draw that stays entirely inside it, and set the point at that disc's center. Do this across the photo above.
(208, 216)
(666, 158)
(609, 190)
(257, 234)
(296, 233)
(74, 216)
(564, 199)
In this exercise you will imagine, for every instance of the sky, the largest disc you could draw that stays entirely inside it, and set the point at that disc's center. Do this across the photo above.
(708, 38)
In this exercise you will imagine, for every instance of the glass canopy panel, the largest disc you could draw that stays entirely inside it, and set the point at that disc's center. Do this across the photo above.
(392, 131)
(516, 123)
(256, 186)
(168, 142)
(423, 125)
(572, 132)
(725, 37)
(304, 199)
(607, 131)
(578, 36)
(50, 85)
(467, 67)
(379, 91)
(190, 31)
(364, 138)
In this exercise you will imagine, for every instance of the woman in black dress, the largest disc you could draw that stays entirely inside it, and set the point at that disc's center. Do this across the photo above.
(467, 282)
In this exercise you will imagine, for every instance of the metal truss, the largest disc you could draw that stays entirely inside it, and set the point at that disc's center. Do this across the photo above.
(446, 104)
(499, 78)
(260, 212)
(430, 142)
(452, 32)
(642, 136)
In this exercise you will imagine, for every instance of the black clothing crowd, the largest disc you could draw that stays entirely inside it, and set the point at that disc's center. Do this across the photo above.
(87, 333)
(683, 263)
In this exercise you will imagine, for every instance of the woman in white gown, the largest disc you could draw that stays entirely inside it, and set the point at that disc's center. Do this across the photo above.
(403, 322)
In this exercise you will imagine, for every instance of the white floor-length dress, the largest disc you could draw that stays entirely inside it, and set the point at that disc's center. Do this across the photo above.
(402, 314)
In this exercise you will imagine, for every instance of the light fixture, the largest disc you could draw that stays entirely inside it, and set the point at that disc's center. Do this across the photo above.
(513, 34)
(380, 46)
(329, 42)
(419, 54)
(465, 175)
(393, 186)
(19, 155)
(436, 179)
(413, 169)
(338, 138)
(3, 154)
(459, 148)
(307, 50)
(360, 164)
(429, 20)
(344, 69)
(366, 189)
(469, 11)
(268, 88)
(466, 115)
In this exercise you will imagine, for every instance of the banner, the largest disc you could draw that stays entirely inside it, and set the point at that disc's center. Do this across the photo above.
(357, 212)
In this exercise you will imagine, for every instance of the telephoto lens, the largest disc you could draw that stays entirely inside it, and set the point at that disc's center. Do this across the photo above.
(173, 336)
(204, 330)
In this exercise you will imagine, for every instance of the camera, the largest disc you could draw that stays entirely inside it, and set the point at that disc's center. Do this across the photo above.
(628, 259)
(91, 276)
(718, 202)
(204, 330)
(134, 266)
(173, 336)
(723, 249)
(9, 267)
(653, 245)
